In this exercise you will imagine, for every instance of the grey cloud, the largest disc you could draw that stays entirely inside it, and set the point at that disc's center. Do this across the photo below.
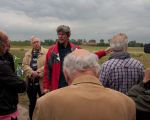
(87, 18)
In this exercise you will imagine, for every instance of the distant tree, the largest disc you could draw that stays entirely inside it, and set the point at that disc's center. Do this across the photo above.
(101, 40)
(80, 42)
(49, 42)
(135, 44)
(109, 40)
(102, 43)
(21, 43)
(132, 43)
(77, 42)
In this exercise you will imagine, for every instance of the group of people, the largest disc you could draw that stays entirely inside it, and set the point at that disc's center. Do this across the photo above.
(72, 85)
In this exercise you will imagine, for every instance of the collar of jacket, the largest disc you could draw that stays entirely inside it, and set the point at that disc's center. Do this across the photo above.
(55, 48)
(120, 55)
(86, 79)
(73, 47)
(30, 52)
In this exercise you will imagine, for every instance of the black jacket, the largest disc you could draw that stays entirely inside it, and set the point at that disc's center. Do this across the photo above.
(10, 86)
(141, 95)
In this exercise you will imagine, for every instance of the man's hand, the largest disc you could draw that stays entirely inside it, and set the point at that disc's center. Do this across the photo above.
(146, 75)
(108, 50)
(34, 74)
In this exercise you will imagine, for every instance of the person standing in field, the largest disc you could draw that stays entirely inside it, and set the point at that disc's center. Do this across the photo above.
(53, 73)
(121, 71)
(10, 84)
(33, 67)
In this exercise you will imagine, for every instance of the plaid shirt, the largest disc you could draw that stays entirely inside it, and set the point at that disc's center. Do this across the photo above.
(121, 74)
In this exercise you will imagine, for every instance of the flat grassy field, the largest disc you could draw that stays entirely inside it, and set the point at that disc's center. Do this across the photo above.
(136, 52)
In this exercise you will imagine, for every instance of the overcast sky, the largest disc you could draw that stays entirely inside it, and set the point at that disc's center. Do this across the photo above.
(89, 19)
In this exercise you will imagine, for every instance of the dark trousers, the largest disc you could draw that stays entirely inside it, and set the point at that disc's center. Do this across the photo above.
(33, 89)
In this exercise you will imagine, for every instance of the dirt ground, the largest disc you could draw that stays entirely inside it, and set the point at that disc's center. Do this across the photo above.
(23, 107)
(23, 112)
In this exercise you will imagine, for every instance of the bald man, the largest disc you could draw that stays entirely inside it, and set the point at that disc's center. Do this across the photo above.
(85, 98)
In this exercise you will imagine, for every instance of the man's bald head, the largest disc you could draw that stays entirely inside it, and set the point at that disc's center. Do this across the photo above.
(81, 61)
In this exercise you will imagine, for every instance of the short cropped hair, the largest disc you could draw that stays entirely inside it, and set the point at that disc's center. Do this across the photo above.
(64, 29)
(3, 38)
(74, 63)
(119, 42)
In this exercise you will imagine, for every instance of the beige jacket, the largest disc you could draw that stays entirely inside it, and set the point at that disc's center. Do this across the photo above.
(85, 99)
(40, 64)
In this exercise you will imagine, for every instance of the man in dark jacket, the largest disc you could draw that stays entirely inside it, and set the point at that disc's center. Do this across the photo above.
(10, 85)
(141, 95)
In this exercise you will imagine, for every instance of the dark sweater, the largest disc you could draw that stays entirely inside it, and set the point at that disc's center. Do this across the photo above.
(63, 51)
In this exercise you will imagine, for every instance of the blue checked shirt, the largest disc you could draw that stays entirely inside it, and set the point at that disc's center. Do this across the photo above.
(121, 74)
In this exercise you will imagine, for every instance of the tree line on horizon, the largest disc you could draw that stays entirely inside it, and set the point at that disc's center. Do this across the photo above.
(91, 42)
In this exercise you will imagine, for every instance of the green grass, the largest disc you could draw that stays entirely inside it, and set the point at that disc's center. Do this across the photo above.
(136, 52)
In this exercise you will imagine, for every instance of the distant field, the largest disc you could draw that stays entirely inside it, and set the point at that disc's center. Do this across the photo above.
(136, 52)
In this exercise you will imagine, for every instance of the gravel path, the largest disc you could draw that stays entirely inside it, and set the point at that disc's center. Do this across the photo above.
(23, 113)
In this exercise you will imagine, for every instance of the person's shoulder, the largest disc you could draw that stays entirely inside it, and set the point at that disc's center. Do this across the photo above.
(118, 96)
(136, 62)
(8, 54)
(28, 52)
(53, 96)
(109, 63)
(44, 50)
(52, 46)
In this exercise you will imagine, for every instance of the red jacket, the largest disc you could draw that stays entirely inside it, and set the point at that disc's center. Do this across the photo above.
(52, 66)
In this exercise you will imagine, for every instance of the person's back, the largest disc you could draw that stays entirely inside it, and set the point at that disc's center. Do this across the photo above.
(122, 75)
(85, 98)
(86, 101)
(121, 71)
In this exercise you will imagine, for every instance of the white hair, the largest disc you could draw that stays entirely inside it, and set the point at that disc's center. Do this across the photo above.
(34, 37)
(119, 42)
(74, 63)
